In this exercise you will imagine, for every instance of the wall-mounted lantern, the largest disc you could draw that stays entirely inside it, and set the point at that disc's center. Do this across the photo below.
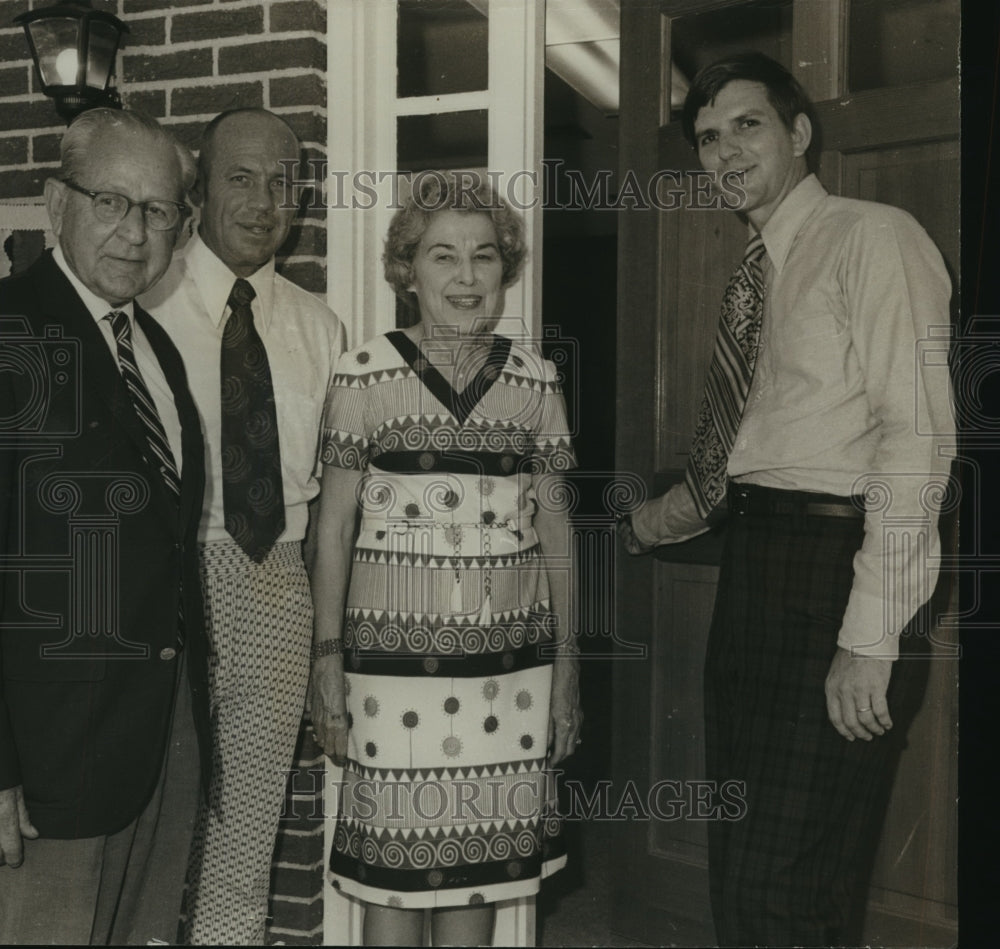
(74, 49)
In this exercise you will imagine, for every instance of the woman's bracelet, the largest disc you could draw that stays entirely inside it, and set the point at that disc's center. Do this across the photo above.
(327, 647)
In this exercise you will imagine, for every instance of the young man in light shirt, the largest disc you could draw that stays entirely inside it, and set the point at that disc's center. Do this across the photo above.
(838, 440)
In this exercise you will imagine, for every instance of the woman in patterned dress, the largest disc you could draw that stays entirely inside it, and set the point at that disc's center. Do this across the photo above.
(444, 569)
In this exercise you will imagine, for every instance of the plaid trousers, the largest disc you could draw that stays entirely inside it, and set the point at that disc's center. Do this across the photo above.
(794, 869)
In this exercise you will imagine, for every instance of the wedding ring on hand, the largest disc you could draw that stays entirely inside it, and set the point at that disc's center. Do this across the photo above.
(867, 708)
(579, 741)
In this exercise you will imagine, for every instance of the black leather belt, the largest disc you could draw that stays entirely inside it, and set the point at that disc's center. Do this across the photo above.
(756, 501)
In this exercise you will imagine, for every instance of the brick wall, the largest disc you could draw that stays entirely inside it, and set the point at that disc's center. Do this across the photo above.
(183, 62)
(298, 866)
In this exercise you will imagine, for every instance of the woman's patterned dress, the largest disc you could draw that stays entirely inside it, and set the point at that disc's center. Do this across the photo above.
(445, 800)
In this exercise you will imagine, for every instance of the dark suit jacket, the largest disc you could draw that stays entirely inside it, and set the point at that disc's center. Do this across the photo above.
(97, 561)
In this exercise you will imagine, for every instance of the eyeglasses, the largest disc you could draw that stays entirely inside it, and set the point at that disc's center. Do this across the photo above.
(111, 208)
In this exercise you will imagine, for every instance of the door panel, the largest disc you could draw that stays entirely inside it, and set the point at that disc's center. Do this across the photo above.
(686, 593)
(706, 242)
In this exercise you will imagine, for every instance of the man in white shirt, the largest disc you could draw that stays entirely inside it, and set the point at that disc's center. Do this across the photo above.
(260, 354)
(833, 440)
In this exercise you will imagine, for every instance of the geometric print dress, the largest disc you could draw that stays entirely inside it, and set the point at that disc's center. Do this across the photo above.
(445, 799)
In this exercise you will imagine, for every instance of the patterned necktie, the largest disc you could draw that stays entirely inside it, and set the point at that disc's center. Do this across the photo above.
(251, 463)
(728, 381)
(143, 403)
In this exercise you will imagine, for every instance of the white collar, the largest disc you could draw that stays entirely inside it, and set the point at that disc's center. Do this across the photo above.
(215, 280)
(783, 226)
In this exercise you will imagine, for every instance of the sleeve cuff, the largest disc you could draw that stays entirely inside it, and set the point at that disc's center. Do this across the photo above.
(639, 528)
(668, 519)
(868, 628)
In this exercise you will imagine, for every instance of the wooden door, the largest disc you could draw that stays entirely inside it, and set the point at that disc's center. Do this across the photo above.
(889, 127)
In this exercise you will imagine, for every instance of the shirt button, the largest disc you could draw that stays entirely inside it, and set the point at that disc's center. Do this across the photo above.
(167, 653)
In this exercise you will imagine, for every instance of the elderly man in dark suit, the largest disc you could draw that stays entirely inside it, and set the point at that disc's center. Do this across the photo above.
(101, 615)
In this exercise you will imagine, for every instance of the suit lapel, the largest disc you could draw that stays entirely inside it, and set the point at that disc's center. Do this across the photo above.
(99, 370)
(192, 447)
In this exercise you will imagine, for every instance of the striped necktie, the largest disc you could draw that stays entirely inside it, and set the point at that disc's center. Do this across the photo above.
(143, 403)
(728, 381)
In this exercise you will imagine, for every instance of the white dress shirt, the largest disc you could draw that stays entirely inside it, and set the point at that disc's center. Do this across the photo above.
(850, 391)
(145, 358)
(303, 339)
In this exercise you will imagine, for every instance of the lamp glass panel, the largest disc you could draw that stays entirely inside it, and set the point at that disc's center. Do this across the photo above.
(55, 41)
(101, 53)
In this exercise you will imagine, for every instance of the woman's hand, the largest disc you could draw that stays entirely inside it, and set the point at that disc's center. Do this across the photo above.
(553, 528)
(327, 702)
(565, 712)
(329, 578)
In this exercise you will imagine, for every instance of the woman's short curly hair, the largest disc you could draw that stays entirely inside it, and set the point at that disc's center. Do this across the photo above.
(435, 191)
